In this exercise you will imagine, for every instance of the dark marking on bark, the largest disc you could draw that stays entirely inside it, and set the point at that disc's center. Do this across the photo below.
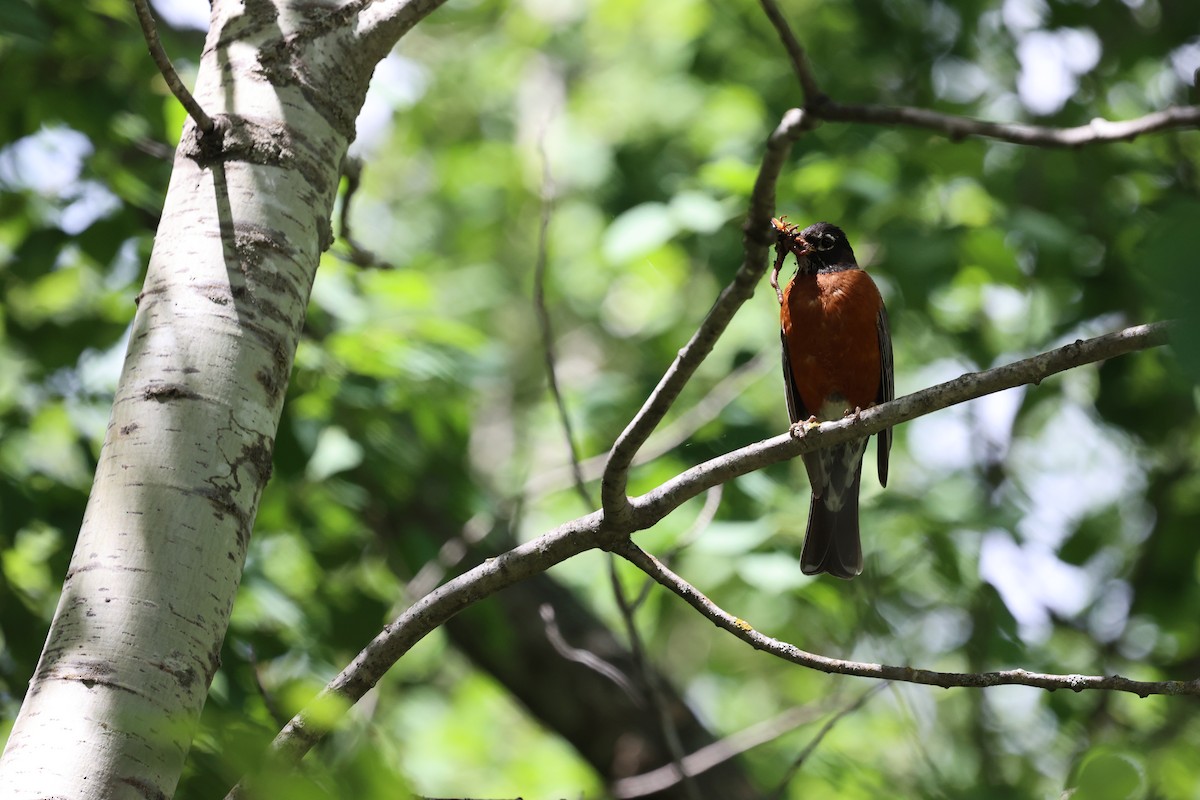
(165, 392)
(128, 429)
(253, 241)
(283, 63)
(274, 379)
(185, 676)
(259, 456)
(240, 138)
(143, 787)
(137, 301)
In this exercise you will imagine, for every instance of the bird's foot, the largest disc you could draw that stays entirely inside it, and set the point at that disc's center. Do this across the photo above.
(799, 429)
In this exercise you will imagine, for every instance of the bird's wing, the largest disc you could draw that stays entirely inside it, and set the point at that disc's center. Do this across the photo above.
(887, 386)
(795, 405)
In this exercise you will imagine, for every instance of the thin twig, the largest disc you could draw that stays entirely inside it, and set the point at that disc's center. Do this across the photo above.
(672, 434)
(818, 105)
(836, 666)
(717, 753)
(653, 691)
(586, 658)
(359, 256)
(796, 764)
(543, 318)
(163, 62)
(756, 241)
(449, 555)
(592, 531)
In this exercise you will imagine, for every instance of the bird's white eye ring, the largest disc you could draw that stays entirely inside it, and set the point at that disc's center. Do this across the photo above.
(825, 242)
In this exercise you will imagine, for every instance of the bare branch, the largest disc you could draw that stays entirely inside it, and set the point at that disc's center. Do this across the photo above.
(163, 62)
(659, 502)
(756, 241)
(798, 762)
(836, 666)
(818, 105)
(543, 318)
(675, 432)
(1095, 132)
(813, 95)
(708, 512)
(359, 256)
(592, 531)
(653, 690)
(586, 658)
(716, 753)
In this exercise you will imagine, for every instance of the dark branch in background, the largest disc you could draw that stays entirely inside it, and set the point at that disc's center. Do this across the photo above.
(836, 666)
(506, 636)
(359, 256)
(163, 62)
(818, 105)
(592, 531)
(756, 241)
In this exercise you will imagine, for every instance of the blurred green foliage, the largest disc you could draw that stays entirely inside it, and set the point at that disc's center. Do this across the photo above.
(1051, 528)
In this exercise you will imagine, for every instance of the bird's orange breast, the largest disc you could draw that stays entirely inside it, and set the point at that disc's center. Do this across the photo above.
(830, 322)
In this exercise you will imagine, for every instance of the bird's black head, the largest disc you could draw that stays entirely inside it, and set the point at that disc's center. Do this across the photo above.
(825, 247)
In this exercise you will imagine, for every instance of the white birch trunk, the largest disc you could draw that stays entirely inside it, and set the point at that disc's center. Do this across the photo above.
(136, 638)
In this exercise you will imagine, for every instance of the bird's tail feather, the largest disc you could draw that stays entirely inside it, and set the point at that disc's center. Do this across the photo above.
(831, 543)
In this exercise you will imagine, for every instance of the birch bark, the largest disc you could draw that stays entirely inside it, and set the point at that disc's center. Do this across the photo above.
(137, 634)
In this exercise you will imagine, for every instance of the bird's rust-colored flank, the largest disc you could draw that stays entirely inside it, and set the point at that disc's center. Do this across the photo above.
(837, 358)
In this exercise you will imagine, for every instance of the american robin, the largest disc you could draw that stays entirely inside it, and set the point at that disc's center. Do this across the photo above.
(837, 360)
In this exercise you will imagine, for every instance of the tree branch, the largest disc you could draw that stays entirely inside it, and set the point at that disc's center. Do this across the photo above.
(592, 531)
(836, 666)
(756, 242)
(818, 105)
(163, 62)
(359, 256)
(808, 81)
(1095, 132)
(656, 504)
(674, 433)
(549, 357)
(798, 762)
(717, 753)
